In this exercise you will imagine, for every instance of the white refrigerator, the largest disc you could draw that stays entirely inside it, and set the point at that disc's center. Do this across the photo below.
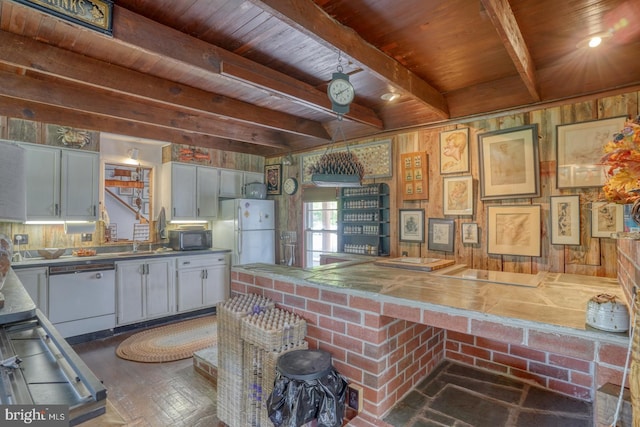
(247, 227)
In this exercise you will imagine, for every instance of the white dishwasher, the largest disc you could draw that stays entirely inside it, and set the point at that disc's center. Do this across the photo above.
(82, 297)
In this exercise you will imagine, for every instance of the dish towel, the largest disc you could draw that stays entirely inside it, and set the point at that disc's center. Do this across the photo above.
(161, 224)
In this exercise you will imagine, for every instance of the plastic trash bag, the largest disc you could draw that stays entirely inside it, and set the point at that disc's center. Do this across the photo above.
(293, 403)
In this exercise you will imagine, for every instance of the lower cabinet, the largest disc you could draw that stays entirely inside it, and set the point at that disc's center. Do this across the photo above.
(144, 289)
(202, 281)
(36, 281)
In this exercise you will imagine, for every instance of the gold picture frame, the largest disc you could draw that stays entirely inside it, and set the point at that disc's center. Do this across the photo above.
(514, 230)
(454, 151)
(509, 165)
(273, 179)
(457, 195)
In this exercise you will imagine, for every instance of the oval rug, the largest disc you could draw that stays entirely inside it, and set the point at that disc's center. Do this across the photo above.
(171, 342)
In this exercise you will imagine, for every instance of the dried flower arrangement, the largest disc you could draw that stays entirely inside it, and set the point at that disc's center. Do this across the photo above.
(622, 156)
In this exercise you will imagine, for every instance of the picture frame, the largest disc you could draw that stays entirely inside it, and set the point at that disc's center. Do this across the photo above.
(411, 225)
(145, 192)
(457, 195)
(514, 230)
(273, 178)
(509, 163)
(564, 216)
(441, 232)
(454, 151)
(470, 233)
(606, 219)
(579, 150)
(125, 191)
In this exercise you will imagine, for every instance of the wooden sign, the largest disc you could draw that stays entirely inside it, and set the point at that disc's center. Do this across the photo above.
(415, 178)
(92, 14)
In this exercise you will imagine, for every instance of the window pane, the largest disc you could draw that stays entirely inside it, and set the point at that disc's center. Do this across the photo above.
(321, 223)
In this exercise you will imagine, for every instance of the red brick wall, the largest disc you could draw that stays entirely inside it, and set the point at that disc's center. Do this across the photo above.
(386, 356)
(388, 348)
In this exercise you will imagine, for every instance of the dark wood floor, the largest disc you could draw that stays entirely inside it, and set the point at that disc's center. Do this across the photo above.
(149, 394)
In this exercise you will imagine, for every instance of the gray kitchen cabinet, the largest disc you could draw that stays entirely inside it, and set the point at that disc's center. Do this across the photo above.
(190, 192)
(202, 281)
(144, 289)
(36, 281)
(232, 182)
(62, 184)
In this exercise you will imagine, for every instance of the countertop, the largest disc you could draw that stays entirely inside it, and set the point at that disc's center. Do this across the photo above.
(110, 256)
(18, 305)
(559, 299)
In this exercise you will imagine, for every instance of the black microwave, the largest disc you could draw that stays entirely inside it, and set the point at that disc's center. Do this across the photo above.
(190, 240)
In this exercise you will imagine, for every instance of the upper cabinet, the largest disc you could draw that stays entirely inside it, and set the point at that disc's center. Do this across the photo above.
(232, 182)
(62, 184)
(190, 192)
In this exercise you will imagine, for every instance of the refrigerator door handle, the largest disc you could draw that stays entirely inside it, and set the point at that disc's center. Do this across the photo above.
(239, 229)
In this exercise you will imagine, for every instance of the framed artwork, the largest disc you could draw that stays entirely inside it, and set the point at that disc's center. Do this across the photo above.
(125, 191)
(415, 176)
(470, 233)
(145, 192)
(458, 195)
(273, 178)
(509, 165)
(579, 150)
(565, 220)
(606, 218)
(454, 151)
(513, 230)
(411, 225)
(441, 232)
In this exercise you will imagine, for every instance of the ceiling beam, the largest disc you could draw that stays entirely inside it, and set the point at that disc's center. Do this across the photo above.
(307, 17)
(72, 97)
(33, 111)
(507, 27)
(167, 44)
(27, 53)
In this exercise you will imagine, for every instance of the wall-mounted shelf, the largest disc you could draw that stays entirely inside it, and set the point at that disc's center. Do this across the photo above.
(363, 220)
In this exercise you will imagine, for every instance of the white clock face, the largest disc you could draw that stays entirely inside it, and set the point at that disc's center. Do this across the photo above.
(341, 92)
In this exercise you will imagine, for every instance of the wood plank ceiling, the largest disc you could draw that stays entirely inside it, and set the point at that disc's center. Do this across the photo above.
(250, 76)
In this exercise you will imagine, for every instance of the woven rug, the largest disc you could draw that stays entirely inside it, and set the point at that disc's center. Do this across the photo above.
(171, 342)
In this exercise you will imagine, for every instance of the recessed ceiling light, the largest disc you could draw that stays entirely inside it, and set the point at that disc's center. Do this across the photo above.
(390, 96)
(592, 41)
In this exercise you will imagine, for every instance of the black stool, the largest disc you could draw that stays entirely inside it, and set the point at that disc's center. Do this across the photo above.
(307, 388)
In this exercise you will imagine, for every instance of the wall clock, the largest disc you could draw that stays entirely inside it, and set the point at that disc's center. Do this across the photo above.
(290, 186)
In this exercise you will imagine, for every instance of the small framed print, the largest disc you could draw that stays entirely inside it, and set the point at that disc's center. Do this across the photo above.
(606, 219)
(125, 191)
(441, 232)
(411, 225)
(514, 230)
(145, 192)
(273, 178)
(470, 233)
(565, 220)
(454, 151)
(458, 195)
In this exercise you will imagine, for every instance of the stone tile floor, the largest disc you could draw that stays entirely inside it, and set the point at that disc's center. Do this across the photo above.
(462, 396)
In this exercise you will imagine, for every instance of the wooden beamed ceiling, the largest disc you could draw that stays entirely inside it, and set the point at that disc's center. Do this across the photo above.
(250, 76)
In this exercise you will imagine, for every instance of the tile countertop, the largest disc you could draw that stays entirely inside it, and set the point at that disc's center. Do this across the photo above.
(560, 300)
(110, 256)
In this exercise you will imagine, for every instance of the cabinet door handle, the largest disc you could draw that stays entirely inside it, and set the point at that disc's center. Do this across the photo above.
(206, 274)
(57, 211)
(186, 263)
(174, 211)
(94, 210)
(197, 211)
(202, 274)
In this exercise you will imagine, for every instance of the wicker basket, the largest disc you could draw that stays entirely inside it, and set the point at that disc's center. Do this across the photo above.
(273, 330)
(231, 405)
(259, 378)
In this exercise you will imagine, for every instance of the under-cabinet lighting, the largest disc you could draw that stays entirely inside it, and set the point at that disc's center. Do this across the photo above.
(193, 221)
(44, 222)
